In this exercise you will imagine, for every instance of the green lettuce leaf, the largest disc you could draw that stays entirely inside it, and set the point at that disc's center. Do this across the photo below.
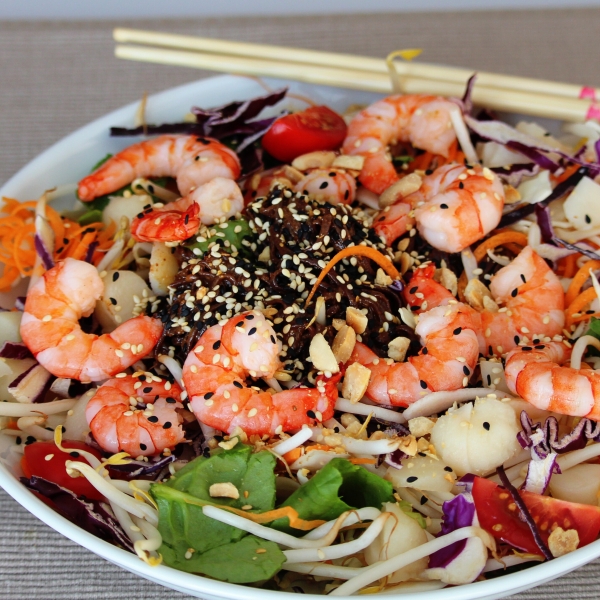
(594, 330)
(339, 486)
(234, 233)
(196, 543)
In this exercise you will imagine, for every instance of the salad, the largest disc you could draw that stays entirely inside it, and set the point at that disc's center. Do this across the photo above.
(315, 352)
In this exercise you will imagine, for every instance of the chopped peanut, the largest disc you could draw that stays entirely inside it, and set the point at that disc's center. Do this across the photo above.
(314, 160)
(400, 189)
(562, 542)
(356, 319)
(382, 278)
(343, 343)
(223, 490)
(338, 324)
(356, 382)
(333, 440)
(447, 278)
(397, 349)
(511, 194)
(409, 445)
(322, 356)
(420, 426)
(294, 175)
(352, 163)
(475, 292)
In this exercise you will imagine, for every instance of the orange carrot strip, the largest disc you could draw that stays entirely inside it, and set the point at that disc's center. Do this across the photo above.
(82, 247)
(362, 461)
(292, 455)
(579, 304)
(383, 261)
(585, 317)
(579, 279)
(498, 240)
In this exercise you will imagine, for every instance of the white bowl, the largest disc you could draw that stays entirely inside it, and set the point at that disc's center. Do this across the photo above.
(69, 160)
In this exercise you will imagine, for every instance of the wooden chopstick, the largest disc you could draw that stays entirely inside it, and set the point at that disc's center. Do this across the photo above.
(354, 62)
(535, 104)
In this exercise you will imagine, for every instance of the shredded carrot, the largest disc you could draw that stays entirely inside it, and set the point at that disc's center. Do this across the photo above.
(82, 247)
(363, 461)
(567, 266)
(293, 455)
(567, 173)
(317, 447)
(499, 239)
(383, 261)
(584, 317)
(579, 279)
(579, 304)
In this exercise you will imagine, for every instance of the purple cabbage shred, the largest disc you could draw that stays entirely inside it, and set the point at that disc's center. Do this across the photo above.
(137, 468)
(87, 514)
(15, 351)
(43, 252)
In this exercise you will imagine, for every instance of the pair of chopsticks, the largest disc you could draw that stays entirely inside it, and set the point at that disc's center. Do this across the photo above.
(524, 95)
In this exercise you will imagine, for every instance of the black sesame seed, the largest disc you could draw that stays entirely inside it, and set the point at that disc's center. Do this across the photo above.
(346, 194)
(113, 301)
(457, 331)
(238, 385)
(208, 395)
(523, 278)
(140, 215)
(74, 454)
(425, 351)
(332, 174)
(489, 380)
(249, 317)
(411, 479)
(167, 425)
(153, 419)
(217, 345)
(187, 219)
(415, 308)
(422, 454)
(30, 439)
(423, 384)
(252, 331)
(116, 275)
(588, 219)
(539, 347)
(486, 425)
(514, 293)
(18, 440)
(466, 370)
(323, 185)
(517, 339)
(526, 349)
(143, 447)
(461, 185)
(428, 171)
(170, 400)
(273, 340)
(151, 189)
(311, 414)
(147, 390)
(423, 500)
(443, 205)
(413, 290)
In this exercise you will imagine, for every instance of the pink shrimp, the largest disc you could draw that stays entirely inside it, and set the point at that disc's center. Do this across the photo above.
(424, 121)
(118, 423)
(205, 171)
(534, 374)
(529, 292)
(454, 207)
(50, 326)
(215, 375)
(332, 185)
(449, 355)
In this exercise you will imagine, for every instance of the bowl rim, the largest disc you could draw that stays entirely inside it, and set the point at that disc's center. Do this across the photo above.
(189, 582)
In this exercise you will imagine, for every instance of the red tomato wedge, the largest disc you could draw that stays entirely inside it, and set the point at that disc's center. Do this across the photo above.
(36, 462)
(499, 516)
(316, 128)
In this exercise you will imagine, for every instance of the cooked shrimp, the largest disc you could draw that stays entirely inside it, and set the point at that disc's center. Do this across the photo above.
(215, 374)
(535, 374)
(453, 208)
(205, 171)
(449, 355)
(529, 293)
(179, 220)
(50, 326)
(136, 414)
(332, 185)
(532, 304)
(424, 121)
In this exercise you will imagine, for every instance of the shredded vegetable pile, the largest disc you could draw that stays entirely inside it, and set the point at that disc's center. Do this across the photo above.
(314, 352)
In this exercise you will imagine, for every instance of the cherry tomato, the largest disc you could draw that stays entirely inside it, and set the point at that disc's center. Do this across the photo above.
(316, 128)
(499, 516)
(35, 462)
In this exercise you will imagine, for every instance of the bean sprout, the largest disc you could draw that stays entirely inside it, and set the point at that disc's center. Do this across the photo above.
(18, 409)
(580, 347)
(173, 366)
(364, 409)
(293, 442)
(33, 426)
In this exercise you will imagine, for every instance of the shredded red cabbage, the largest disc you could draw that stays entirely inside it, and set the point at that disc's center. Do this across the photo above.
(15, 351)
(539, 473)
(525, 514)
(43, 252)
(135, 468)
(457, 513)
(88, 514)
(32, 385)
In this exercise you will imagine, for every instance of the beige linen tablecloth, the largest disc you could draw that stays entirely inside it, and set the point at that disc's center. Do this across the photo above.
(55, 77)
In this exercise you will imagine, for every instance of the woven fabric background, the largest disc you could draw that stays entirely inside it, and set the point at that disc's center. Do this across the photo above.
(55, 77)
